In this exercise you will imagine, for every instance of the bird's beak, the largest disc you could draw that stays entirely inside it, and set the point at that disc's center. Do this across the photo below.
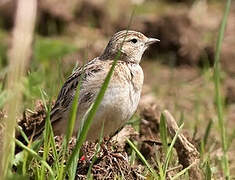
(151, 41)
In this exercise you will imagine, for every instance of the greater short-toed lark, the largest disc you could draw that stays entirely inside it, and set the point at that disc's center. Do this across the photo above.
(122, 95)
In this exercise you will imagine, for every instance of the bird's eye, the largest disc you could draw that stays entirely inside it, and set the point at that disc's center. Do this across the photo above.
(134, 40)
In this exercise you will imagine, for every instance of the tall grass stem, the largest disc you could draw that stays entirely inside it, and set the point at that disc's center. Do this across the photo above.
(218, 96)
(19, 56)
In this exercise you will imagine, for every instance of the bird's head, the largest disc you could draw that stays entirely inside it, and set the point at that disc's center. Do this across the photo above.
(130, 44)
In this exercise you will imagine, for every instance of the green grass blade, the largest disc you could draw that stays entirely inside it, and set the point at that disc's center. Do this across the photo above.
(207, 132)
(159, 166)
(51, 140)
(73, 113)
(163, 132)
(182, 172)
(135, 122)
(24, 163)
(43, 94)
(35, 155)
(86, 122)
(22, 134)
(181, 118)
(143, 159)
(46, 139)
(53, 147)
(218, 96)
(69, 131)
(170, 149)
(89, 175)
(205, 139)
(90, 116)
(208, 173)
(20, 156)
(92, 111)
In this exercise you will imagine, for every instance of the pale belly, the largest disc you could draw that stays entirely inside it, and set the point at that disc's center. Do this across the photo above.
(117, 107)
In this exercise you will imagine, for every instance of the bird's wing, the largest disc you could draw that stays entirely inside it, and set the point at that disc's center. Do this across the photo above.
(68, 90)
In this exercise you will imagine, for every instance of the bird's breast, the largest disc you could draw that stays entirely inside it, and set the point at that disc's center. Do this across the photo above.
(123, 94)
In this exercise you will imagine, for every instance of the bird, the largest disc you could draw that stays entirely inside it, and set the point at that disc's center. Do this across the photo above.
(122, 95)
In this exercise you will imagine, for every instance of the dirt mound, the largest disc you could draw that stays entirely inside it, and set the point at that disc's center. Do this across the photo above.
(32, 120)
(111, 162)
(113, 157)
